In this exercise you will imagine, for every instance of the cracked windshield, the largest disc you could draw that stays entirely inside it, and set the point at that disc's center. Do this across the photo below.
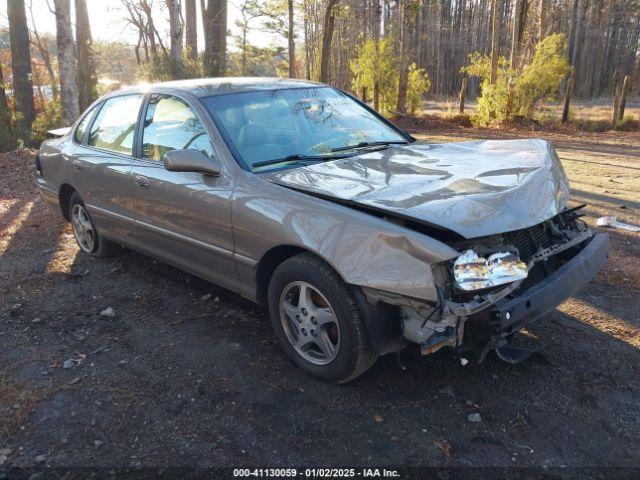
(293, 127)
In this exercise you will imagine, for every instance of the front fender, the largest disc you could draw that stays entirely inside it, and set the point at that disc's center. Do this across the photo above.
(365, 250)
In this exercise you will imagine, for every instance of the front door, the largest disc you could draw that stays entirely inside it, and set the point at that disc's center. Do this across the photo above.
(185, 217)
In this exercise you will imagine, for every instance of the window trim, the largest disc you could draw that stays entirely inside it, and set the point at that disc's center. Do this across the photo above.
(143, 114)
(135, 130)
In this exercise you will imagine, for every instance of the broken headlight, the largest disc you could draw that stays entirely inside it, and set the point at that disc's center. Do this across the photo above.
(473, 272)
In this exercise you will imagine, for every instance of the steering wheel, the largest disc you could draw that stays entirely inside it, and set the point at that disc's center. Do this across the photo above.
(193, 139)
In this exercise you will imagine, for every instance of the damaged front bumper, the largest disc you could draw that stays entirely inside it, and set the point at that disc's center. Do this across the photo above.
(501, 313)
(512, 314)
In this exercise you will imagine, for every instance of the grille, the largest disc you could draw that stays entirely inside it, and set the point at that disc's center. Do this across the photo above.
(529, 240)
(536, 274)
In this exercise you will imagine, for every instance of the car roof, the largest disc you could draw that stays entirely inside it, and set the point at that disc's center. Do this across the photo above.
(206, 87)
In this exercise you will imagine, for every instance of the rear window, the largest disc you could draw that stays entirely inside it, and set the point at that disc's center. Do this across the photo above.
(114, 127)
(83, 125)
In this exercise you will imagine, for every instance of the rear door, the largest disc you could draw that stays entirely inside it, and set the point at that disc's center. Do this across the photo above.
(102, 165)
(185, 217)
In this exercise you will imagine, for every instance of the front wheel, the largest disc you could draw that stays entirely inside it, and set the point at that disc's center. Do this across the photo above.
(317, 320)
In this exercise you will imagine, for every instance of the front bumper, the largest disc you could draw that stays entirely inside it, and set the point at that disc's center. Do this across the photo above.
(512, 314)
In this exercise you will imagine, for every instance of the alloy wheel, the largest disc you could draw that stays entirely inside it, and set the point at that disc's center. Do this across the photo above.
(310, 323)
(83, 228)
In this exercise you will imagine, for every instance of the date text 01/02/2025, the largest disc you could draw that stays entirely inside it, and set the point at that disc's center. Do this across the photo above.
(316, 473)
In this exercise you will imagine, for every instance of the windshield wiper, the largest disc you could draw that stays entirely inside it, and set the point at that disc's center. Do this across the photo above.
(297, 157)
(369, 144)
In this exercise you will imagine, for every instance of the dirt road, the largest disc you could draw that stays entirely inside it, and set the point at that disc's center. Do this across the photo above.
(183, 378)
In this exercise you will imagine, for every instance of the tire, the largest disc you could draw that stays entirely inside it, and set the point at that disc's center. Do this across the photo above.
(339, 320)
(85, 233)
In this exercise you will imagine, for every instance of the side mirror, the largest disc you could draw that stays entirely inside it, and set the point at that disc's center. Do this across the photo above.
(191, 161)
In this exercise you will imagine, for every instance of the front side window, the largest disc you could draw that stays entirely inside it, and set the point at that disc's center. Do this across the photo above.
(83, 125)
(310, 124)
(114, 127)
(171, 124)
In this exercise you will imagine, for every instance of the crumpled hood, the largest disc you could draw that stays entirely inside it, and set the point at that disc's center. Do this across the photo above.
(472, 188)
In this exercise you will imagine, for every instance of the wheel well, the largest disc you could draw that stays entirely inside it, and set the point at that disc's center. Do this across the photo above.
(382, 320)
(268, 264)
(64, 197)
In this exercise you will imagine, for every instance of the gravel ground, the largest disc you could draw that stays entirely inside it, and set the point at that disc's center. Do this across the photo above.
(189, 375)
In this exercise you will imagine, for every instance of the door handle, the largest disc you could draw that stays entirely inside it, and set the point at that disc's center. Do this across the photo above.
(141, 181)
(77, 165)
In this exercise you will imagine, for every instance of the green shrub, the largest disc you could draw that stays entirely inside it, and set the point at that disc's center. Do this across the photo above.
(417, 85)
(364, 72)
(517, 91)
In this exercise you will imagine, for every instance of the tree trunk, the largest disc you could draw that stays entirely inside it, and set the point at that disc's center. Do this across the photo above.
(307, 48)
(221, 51)
(517, 31)
(214, 20)
(463, 94)
(191, 27)
(405, 15)
(623, 97)
(495, 39)
(327, 38)
(208, 30)
(542, 19)
(616, 105)
(175, 32)
(376, 36)
(150, 29)
(5, 115)
(573, 14)
(578, 29)
(21, 69)
(292, 43)
(66, 63)
(243, 52)
(567, 100)
(87, 78)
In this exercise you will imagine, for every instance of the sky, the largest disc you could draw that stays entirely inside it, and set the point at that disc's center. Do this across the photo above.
(108, 24)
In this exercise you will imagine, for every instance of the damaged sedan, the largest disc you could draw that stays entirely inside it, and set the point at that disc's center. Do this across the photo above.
(360, 240)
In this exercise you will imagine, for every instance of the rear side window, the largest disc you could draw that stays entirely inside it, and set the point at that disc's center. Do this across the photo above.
(83, 125)
(171, 124)
(114, 127)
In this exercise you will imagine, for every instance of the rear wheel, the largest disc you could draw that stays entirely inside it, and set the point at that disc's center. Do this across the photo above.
(85, 231)
(317, 320)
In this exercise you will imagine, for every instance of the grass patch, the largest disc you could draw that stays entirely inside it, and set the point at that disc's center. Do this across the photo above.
(628, 124)
(16, 404)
